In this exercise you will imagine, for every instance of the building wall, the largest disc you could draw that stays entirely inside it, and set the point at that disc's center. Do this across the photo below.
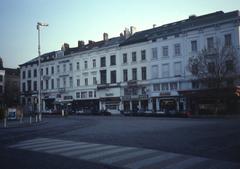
(156, 73)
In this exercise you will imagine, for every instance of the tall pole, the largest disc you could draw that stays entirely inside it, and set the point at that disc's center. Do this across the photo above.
(39, 24)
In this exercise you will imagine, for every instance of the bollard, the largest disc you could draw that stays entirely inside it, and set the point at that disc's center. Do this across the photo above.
(21, 120)
(40, 117)
(62, 113)
(30, 119)
(5, 123)
(36, 117)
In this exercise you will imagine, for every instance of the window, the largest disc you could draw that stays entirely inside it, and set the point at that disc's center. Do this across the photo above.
(228, 39)
(143, 54)
(70, 82)
(94, 80)
(64, 82)
(165, 51)
(52, 83)
(46, 70)
(103, 76)
(85, 64)
(210, 44)
(58, 68)
(229, 66)
(194, 46)
(95, 93)
(113, 76)
(41, 84)
(90, 94)
(86, 81)
(46, 84)
(1, 78)
(154, 53)
(165, 70)
(23, 74)
(125, 75)
(113, 60)
(195, 84)
(41, 71)
(177, 68)
(156, 87)
(29, 73)
(173, 86)
(134, 74)
(165, 86)
(134, 56)
(78, 82)
(127, 92)
(144, 90)
(1, 89)
(124, 58)
(78, 66)
(134, 91)
(29, 85)
(64, 67)
(144, 73)
(58, 83)
(23, 87)
(194, 69)
(35, 72)
(177, 49)
(154, 71)
(70, 66)
(78, 95)
(94, 63)
(52, 71)
(83, 94)
(103, 61)
(35, 85)
(211, 67)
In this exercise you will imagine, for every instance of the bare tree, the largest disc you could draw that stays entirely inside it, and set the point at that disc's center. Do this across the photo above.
(216, 67)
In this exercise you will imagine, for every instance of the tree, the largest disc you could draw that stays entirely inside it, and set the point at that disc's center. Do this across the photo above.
(216, 67)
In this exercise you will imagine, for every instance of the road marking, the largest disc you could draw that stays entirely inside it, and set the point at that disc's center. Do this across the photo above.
(86, 151)
(150, 161)
(120, 156)
(105, 153)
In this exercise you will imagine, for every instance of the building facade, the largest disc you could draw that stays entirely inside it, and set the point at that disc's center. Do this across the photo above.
(137, 70)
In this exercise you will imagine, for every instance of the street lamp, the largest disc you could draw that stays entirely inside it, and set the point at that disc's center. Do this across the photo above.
(39, 24)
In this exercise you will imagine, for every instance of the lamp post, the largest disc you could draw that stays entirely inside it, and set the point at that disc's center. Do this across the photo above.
(39, 24)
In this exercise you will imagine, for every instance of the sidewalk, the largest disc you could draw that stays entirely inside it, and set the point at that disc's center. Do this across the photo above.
(18, 123)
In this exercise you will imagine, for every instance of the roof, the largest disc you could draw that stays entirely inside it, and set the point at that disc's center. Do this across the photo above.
(95, 45)
(176, 28)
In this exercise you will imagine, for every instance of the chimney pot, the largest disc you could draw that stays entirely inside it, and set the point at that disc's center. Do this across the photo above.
(80, 43)
(105, 36)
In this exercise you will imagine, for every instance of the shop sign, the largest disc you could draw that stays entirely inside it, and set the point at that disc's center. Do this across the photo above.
(165, 94)
(143, 97)
(67, 98)
(132, 83)
(126, 98)
(109, 94)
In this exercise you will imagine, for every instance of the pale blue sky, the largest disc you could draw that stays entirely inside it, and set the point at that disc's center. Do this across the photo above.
(73, 20)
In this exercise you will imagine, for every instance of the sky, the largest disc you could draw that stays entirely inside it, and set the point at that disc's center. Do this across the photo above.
(73, 20)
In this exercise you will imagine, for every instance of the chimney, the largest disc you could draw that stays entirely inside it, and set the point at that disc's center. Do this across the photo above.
(1, 63)
(90, 42)
(127, 33)
(105, 36)
(132, 30)
(80, 43)
(192, 16)
(154, 25)
(65, 47)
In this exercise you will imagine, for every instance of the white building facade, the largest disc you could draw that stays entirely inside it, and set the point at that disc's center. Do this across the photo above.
(142, 70)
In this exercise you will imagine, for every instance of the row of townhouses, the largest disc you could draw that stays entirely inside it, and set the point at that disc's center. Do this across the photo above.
(137, 70)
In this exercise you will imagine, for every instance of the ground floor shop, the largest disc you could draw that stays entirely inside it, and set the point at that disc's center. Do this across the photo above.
(212, 101)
